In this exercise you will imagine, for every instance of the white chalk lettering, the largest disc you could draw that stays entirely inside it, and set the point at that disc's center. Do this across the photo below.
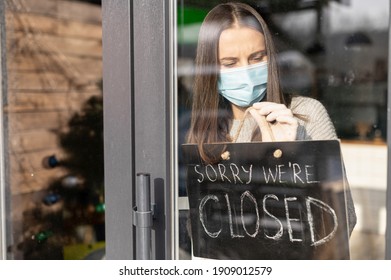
(231, 228)
(280, 173)
(296, 172)
(200, 180)
(270, 174)
(235, 223)
(201, 213)
(250, 173)
(243, 174)
(222, 172)
(280, 231)
(308, 174)
(207, 173)
(326, 208)
(288, 219)
(235, 175)
(253, 200)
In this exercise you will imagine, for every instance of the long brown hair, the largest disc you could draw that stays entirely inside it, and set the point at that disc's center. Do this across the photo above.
(211, 113)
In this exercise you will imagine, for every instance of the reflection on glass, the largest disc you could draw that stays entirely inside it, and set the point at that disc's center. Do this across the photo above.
(54, 124)
(327, 53)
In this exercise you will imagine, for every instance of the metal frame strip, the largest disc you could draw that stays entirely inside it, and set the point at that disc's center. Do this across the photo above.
(153, 113)
(388, 194)
(139, 90)
(173, 93)
(3, 96)
(118, 127)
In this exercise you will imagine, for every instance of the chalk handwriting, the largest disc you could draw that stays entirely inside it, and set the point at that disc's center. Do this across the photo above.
(241, 174)
(201, 207)
(326, 208)
(248, 196)
(280, 231)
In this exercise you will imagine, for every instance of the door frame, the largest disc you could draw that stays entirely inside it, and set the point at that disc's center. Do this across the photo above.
(5, 238)
(139, 90)
(388, 191)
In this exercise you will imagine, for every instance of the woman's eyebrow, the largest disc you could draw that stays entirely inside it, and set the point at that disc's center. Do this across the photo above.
(229, 58)
(261, 52)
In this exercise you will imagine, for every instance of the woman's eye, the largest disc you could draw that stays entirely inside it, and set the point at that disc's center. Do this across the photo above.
(228, 65)
(258, 58)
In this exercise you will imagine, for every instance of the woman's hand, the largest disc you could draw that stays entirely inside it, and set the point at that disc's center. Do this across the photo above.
(278, 117)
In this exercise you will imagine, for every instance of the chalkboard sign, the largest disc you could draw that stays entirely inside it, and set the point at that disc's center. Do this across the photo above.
(278, 200)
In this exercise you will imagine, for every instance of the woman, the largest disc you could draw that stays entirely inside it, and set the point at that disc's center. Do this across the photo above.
(237, 96)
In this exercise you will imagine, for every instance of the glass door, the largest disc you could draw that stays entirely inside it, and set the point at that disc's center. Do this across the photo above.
(325, 51)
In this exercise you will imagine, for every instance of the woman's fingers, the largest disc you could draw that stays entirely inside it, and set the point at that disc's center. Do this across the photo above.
(276, 117)
(261, 120)
(263, 125)
(287, 120)
(268, 107)
(272, 110)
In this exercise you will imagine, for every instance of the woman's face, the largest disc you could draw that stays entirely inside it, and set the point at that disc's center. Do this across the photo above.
(241, 46)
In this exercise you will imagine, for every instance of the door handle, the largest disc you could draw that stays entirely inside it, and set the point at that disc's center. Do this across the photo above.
(143, 216)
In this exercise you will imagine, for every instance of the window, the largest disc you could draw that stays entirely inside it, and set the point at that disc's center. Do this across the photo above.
(337, 53)
(53, 130)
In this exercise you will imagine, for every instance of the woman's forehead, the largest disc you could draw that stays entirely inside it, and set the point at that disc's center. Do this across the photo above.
(236, 40)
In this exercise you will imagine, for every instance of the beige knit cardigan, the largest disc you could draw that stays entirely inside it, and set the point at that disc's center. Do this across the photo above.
(317, 125)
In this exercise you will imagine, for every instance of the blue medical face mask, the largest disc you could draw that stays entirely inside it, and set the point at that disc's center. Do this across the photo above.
(243, 86)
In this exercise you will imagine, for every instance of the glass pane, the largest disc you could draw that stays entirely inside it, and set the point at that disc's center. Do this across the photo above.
(54, 129)
(337, 53)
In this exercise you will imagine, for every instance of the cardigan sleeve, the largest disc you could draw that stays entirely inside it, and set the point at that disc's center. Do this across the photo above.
(314, 121)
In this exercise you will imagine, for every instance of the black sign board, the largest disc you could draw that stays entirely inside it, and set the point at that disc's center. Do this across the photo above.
(277, 200)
